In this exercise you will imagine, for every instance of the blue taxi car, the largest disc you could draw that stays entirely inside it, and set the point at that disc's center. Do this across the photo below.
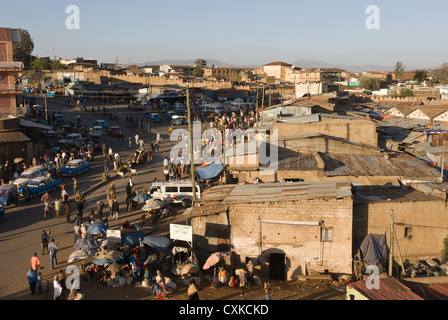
(41, 185)
(8, 194)
(153, 117)
(101, 123)
(75, 167)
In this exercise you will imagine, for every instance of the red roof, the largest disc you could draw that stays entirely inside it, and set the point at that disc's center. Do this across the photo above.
(278, 63)
(390, 289)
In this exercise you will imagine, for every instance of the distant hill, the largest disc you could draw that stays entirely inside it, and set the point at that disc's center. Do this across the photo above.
(305, 63)
(210, 62)
(302, 63)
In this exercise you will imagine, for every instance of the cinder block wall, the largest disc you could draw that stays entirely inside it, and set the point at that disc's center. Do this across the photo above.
(301, 245)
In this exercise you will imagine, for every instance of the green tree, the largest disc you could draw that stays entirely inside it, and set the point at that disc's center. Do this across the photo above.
(199, 64)
(370, 83)
(57, 65)
(40, 64)
(22, 50)
(441, 74)
(399, 69)
(420, 75)
(406, 92)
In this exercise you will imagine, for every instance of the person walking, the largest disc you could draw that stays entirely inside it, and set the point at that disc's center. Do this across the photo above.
(68, 210)
(80, 201)
(46, 199)
(100, 206)
(76, 232)
(35, 262)
(31, 276)
(57, 207)
(75, 185)
(53, 249)
(44, 239)
(250, 272)
(104, 148)
(130, 142)
(115, 209)
(27, 194)
(39, 283)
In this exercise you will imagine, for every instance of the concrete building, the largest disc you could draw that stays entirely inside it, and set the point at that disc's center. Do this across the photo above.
(8, 68)
(287, 229)
(279, 70)
(303, 89)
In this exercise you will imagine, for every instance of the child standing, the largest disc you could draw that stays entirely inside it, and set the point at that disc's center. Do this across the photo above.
(39, 283)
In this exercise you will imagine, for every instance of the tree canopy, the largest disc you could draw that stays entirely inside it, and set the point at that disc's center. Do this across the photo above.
(22, 50)
(399, 69)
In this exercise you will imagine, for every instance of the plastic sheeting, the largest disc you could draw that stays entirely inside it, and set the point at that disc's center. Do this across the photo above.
(131, 238)
(157, 242)
(374, 249)
(210, 171)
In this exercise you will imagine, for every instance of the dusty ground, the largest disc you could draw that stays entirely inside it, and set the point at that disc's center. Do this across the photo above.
(281, 290)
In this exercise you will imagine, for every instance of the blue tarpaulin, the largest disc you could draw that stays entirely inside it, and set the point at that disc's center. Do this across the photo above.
(210, 171)
(159, 243)
(131, 238)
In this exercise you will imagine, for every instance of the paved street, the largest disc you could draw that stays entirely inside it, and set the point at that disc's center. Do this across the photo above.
(20, 233)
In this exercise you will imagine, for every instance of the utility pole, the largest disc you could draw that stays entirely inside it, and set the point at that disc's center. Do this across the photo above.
(190, 134)
(262, 108)
(443, 154)
(391, 244)
(256, 108)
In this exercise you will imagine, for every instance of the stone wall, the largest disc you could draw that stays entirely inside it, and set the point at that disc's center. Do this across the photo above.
(106, 77)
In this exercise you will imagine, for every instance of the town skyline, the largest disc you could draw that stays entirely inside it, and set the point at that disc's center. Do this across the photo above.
(233, 34)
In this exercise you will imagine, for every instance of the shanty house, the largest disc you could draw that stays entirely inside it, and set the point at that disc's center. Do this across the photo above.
(420, 219)
(289, 229)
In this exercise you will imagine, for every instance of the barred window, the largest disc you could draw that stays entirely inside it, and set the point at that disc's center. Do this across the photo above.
(326, 234)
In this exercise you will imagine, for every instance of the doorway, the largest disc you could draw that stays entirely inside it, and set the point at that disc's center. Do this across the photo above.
(277, 266)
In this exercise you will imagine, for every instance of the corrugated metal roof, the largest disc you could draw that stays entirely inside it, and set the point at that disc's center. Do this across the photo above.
(13, 136)
(402, 165)
(389, 289)
(391, 194)
(292, 191)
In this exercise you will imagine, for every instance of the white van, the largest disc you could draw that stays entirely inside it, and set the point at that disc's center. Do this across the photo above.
(213, 107)
(177, 191)
(72, 140)
(34, 172)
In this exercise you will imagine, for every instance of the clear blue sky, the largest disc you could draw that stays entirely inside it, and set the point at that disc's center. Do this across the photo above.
(239, 32)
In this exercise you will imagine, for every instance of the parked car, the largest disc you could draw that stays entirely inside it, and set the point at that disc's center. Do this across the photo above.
(179, 120)
(114, 131)
(169, 114)
(21, 183)
(41, 185)
(8, 194)
(97, 131)
(75, 167)
(179, 191)
(72, 140)
(101, 123)
(180, 108)
(34, 172)
(153, 117)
